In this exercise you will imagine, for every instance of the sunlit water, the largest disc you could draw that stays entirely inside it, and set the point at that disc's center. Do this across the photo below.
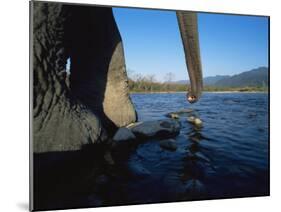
(227, 157)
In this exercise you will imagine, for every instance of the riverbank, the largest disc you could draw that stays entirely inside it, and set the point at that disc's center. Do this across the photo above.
(165, 92)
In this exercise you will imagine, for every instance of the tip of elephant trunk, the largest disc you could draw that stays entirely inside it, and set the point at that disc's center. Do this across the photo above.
(194, 91)
(191, 98)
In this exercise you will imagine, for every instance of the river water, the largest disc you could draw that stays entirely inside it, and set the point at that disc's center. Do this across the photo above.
(227, 157)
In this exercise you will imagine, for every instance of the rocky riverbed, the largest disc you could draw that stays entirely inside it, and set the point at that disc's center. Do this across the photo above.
(161, 130)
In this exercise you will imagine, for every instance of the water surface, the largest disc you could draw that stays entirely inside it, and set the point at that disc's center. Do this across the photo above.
(227, 157)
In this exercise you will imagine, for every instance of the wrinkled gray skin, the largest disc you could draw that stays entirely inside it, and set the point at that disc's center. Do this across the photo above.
(189, 33)
(96, 101)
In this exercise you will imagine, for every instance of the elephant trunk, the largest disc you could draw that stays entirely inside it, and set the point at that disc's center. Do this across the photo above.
(189, 34)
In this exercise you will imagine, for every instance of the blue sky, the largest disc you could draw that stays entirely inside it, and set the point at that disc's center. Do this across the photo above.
(229, 44)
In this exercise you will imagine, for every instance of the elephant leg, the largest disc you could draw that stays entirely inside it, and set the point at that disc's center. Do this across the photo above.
(98, 72)
(117, 102)
(60, 122)
(67, 117)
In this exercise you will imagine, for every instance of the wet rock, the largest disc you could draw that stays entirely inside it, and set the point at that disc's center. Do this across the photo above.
(168, 144)
(123, 134)
(167, 128)
(198, 122)
(122, 144)
(194, 120)
(191, 119)
(173, 116)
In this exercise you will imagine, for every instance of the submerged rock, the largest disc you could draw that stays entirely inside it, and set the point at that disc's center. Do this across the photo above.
(177, 114)
(168, 144)
(187, 110)
(173, 116)
(157, 129)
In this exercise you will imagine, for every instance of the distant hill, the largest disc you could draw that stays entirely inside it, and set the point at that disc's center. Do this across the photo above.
(207, 80)
(254, 78)
(213, 80)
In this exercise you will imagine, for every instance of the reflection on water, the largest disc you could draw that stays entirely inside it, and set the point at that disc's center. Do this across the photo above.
(226, 157)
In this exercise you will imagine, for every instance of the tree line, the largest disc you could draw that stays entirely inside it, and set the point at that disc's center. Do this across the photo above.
(148, 83)
(140, 83)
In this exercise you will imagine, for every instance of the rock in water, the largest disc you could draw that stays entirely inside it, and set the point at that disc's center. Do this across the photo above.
(173, 116)
(177, 114)
(188, 110)
(196, 121)
(157, 129)
(168, 144)
(191, 119)
(123, 134)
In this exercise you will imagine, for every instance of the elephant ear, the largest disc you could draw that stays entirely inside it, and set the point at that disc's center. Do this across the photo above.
(61, 123)
(188, 26)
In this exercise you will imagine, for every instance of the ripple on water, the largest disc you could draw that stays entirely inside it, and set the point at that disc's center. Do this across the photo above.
(226, 157)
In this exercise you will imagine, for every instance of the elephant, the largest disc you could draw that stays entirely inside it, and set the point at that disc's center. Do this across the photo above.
(87, 107)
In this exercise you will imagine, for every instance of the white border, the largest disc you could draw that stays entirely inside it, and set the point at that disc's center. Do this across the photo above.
(14, 111)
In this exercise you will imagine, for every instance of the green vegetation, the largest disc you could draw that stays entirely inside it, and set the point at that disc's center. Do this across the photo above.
(139, 83)
(149, 85)
(252, 81)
